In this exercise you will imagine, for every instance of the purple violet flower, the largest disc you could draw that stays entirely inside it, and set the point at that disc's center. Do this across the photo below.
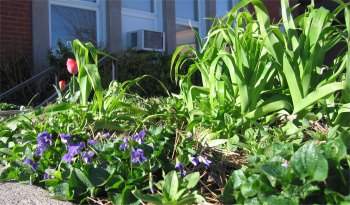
(67, 158)
(44, 141)
(33, 165)
(106, 135)
(40, 150)
(205, 161)
(48, 176)
(137, 156)
(201, 159)
(87, 156)
(139, 137)
(73, 150)
(65, 138)
(181, 168)
(195, 161)
(44, 138)
(91, 142)
(124, 145)
(76, 149)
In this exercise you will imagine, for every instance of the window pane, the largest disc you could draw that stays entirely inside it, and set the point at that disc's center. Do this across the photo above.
(187, 9)
(185, 35)
(141, 5)
(69, 23)
(223, 6)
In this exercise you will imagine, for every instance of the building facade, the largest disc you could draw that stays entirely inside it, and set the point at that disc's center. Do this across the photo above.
(36, 26)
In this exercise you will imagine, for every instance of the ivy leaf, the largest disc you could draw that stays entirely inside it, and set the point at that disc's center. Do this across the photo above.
(309, 161)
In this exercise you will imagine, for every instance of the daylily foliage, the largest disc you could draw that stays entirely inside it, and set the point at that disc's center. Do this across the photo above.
(268, 124)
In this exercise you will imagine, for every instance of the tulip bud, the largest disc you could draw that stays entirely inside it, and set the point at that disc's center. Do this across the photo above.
(62, 84)
(72, 66)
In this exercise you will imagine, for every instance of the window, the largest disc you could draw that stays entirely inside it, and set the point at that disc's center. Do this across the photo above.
(79, 19)
(187, 9)
(185, 35)
(140, 5)
(222, 7)
(187, 15)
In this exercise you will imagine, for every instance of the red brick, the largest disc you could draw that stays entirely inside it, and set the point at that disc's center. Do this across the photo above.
(15, 25)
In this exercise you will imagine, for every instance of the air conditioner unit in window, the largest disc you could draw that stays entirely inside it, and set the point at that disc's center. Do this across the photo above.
(146, 40)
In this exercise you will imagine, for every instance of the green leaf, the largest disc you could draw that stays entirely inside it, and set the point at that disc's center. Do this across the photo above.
(191, 180)
(335, 149)
(273, 199)
(61, 191)
(216, 142)
(309, 161)
(83, 178)
(191, 199)
(318, 94)
(273, 104)
(115, 182)
(54, 108)
(171, 185)
(24, 175)
(98, 176)
(273, 169)
(95, 81)
(153, 199)
(9, 173)
(127, 196)
(6, 151)
(234, 182)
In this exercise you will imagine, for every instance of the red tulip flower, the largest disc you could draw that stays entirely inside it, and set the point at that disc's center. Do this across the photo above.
(72, 66)
(62, 84)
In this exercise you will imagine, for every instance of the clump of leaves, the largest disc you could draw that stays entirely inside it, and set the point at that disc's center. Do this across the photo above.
(311, 174)
(174, 190)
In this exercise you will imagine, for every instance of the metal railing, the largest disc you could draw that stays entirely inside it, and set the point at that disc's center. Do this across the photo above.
(30, 80)
(45, 73)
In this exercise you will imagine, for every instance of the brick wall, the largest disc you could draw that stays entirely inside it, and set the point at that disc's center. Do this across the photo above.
(15, 26)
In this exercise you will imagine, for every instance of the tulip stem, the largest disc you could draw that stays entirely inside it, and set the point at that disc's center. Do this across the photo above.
(74, 82)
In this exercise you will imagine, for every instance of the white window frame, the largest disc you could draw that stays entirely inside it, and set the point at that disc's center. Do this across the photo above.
(200, 24)
(155, 16)
(99, 7)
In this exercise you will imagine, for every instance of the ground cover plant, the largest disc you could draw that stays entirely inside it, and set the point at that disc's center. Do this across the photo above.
(267, 123)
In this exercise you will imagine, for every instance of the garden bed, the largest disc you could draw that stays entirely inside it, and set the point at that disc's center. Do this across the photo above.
(268, 122)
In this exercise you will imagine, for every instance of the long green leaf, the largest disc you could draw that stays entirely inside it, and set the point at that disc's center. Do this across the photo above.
(318, 94)
(95, 81)
(271, 105)
(347, 81)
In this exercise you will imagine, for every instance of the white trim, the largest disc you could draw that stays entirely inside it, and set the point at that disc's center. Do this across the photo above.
(99, 7)
(158, 12)
(76, 4)
(139, 14)
(186, 22)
